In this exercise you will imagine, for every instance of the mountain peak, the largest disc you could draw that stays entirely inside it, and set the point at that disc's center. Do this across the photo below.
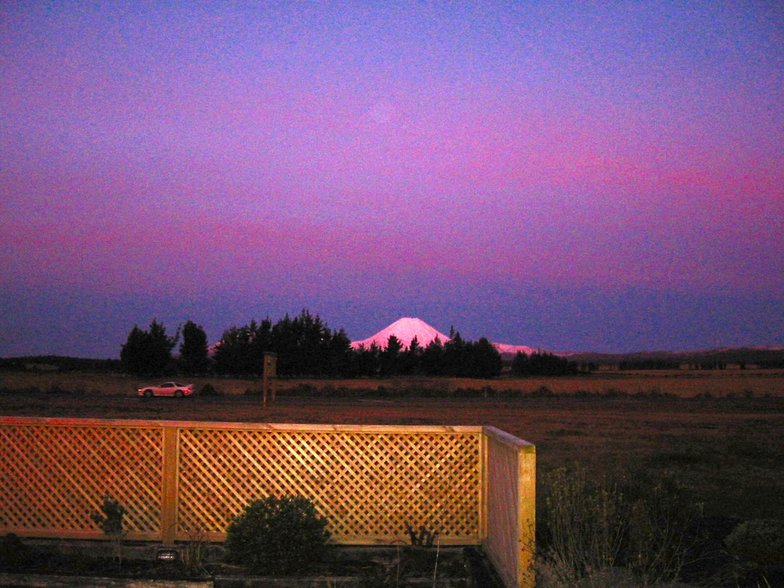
(405, 329)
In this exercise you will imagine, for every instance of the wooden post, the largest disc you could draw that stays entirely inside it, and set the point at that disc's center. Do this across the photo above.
(270, 372)
(527, 516)
(484, 496)
(169, 487)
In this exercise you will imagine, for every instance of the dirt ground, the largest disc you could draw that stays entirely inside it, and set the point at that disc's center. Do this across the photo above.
(727, 450)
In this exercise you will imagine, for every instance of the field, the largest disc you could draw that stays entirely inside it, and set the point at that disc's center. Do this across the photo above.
(681, 383)
(720, 433)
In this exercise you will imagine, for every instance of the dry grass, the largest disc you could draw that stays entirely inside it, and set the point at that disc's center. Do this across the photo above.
(681, 383)
(726, 449)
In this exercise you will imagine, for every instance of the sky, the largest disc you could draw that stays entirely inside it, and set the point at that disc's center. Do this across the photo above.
(569, 176)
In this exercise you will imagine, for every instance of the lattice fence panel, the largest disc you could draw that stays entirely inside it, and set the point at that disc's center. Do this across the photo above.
(53, 478)
(367, 484)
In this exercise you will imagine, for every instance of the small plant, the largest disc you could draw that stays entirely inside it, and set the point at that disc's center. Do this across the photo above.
(110, 520)
(422, 538)
(194, 552)
(14, 554)
(209, 390)
(277, 535)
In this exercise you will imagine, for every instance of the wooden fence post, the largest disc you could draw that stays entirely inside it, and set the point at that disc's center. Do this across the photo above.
(170, 485)
(270, 372)
(527, 516)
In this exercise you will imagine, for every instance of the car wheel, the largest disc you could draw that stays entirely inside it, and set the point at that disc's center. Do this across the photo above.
(148, 393)
(178, 394)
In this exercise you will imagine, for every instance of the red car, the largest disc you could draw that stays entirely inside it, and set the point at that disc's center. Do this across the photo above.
(166, 389)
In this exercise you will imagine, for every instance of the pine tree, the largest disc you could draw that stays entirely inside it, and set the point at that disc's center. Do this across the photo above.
(433, 358)
(133, 352)
(194, 352)
(391, 357)
(148, 352)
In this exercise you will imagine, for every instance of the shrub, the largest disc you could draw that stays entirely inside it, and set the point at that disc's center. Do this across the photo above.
(759, 541)
(210, 390)
(14, 555)
(195, 550)
(422, 538)
(277, 535)
(110, 520)
(589, 528)
(542, 392)
(756, 554)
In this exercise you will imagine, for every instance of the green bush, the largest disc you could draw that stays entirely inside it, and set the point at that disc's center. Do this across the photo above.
(758, 541)
(277, 535)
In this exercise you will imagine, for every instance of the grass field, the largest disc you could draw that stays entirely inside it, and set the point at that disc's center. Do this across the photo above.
(681, 383)
(726, 448)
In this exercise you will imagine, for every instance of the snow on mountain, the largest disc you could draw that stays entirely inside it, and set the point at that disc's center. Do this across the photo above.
(507, 349)
(405, 329)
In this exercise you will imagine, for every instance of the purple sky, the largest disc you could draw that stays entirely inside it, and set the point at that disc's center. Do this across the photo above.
(565, 176)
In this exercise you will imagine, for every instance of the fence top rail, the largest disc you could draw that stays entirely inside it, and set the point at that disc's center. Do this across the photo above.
(282, 427)
(509, 440)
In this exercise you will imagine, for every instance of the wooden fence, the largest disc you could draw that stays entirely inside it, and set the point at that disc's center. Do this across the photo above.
(511, 497)
(474, 485)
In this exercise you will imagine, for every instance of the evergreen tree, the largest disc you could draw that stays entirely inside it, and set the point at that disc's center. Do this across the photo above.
(485, 361)
(284, 342)
(259, 342)
(233, 353)
(161, 346)
(133, 353)
(433, 358)
(194, 352)
(541, 363)
(521, 365)
(455, 360)
(391, 357)
(339, 354)
(365, 361)
(149, 352)
(412, 358)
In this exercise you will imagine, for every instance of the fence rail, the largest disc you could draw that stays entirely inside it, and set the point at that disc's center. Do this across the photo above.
(177, 477)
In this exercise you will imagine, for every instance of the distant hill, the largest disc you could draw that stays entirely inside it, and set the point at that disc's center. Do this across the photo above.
(59, 363)
(758, 356)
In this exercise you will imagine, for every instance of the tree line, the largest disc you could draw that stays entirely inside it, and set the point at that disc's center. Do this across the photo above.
(456, 357)
(305, 346)
(541, 363)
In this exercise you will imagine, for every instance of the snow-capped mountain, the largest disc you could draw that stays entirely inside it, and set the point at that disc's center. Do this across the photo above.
(507, 349)
(405, 329)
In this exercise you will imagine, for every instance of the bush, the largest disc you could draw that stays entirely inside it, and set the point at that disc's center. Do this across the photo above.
(210, 390)
(589, 528)
(759, 541)
(110, 520)
(277, 535)
(14, 555)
